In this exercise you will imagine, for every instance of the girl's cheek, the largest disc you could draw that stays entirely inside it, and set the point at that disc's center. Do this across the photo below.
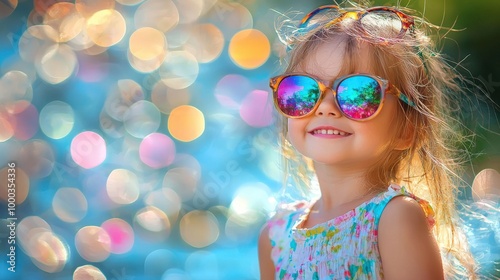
(295, 124)
(293, 130)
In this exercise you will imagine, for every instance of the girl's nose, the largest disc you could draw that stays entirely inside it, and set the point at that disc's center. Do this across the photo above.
(328, 105)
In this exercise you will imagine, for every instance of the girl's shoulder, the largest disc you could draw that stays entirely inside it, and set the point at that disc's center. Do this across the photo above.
(288, 209)
(286, 213)
(396, 191)
(405, 240)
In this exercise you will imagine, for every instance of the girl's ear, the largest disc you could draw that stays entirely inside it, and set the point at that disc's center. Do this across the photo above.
(403, 144)
(406, 138)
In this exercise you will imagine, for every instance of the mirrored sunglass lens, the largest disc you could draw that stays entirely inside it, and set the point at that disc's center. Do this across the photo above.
(383, 24)
(297, 95)
(321, 17)
(359, 97)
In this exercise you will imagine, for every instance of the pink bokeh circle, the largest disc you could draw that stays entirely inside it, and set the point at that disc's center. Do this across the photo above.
(121, 235)
(157, 150)
(88, 149)
(256, 109)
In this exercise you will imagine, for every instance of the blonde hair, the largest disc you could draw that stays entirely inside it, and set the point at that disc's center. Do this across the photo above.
(429, 168)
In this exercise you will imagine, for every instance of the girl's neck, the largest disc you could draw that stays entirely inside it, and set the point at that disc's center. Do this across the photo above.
(341, 186)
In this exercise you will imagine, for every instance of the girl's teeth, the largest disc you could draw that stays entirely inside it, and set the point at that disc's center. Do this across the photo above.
(329, 132)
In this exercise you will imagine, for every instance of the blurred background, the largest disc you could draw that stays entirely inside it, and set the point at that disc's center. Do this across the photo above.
(142, 143)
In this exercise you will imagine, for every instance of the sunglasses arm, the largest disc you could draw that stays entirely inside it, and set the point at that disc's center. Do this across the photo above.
(405, 99)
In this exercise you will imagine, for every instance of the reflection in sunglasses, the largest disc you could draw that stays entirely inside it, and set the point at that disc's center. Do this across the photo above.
(358, 96)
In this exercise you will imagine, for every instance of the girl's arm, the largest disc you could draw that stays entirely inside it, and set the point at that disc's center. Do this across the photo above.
(407, 246)
(265, 261)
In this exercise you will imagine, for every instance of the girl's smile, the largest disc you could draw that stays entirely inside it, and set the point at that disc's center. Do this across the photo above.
(326, 131)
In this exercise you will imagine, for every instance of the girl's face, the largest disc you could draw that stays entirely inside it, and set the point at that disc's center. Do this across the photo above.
(354, 144)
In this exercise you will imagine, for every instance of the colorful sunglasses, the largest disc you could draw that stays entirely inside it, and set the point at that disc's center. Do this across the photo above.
(359, 96)
(372, 20)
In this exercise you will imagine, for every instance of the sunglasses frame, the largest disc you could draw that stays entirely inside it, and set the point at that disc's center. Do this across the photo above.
(407, 22)
(384, 84)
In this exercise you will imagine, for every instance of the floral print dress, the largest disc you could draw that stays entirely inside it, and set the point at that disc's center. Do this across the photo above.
(342, 248)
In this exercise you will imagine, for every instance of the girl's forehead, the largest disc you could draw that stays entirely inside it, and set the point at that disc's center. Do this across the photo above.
(335, 58)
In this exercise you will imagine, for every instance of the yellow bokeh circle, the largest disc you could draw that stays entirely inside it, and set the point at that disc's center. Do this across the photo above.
(199, 228)
(249, 48)
(147, 43)
(186, 123)
(106, 28)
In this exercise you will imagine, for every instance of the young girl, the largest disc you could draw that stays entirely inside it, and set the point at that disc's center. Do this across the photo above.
(365, 100)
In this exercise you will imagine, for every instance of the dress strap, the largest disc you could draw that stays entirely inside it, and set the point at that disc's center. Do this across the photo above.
(395, 191)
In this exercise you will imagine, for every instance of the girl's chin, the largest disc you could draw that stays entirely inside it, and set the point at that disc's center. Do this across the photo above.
(327, 161)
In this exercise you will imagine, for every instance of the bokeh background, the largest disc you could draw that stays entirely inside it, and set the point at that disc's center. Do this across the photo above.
(143, 135)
